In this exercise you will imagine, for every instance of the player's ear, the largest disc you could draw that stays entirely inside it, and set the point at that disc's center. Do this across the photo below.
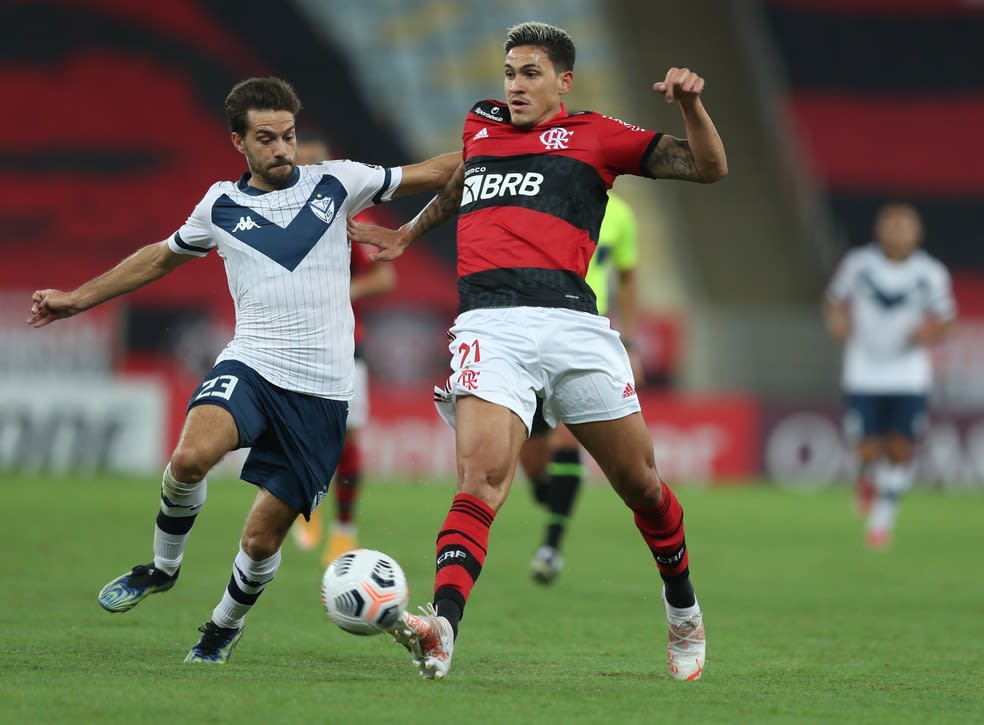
(239, 142)
(564, 81)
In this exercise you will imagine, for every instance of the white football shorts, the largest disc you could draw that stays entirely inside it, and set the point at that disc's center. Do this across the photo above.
(509, 356)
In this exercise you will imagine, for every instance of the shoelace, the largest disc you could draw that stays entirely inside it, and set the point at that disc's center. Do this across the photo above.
(685, 631)
(426, 610)
(213, 636)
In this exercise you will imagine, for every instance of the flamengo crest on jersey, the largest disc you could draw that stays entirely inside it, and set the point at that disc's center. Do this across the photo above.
(287, 260)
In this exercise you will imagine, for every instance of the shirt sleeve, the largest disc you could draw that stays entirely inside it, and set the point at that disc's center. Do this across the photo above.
(626, 145)
(941, 301)
(368, 184)
(195, 235)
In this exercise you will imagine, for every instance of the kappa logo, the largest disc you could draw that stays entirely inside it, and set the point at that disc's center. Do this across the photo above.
(556, 139)
(323, 208)
(245, 224)
(483, 133)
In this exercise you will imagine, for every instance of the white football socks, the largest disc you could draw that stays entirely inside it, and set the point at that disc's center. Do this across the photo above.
(249, 579)
(180, 504)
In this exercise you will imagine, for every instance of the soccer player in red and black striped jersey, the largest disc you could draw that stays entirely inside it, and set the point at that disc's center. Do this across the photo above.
(530, 196)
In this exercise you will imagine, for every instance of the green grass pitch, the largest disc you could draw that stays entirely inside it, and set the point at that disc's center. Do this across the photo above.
(804, 624)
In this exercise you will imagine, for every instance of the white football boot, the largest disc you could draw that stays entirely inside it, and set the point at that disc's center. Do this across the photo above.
(687, 645)
(429, 639)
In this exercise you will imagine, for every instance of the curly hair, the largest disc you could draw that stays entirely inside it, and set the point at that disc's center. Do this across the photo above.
(258, 94)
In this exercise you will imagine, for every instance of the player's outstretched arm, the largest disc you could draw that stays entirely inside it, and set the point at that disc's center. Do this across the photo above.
(429, 175)
(140, 268)
(391, 243)
(700, 156)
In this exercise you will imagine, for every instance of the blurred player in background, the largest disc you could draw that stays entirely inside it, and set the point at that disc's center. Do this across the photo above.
(368, 280)
(888, 302)
(529, 197)
(281, 386)
(552, 458)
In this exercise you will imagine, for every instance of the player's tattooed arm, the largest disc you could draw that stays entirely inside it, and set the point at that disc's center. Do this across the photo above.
(391, 243)
(441, 208)
(698, 157)
(672, 158)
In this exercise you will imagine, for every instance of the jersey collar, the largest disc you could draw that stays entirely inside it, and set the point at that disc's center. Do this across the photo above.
(243, 183)
(553, 119)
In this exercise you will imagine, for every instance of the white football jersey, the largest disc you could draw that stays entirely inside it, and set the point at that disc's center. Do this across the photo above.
(287, 258)
(888, 299)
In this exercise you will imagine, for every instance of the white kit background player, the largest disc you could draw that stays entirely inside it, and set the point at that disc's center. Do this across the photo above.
(888, 301)
(282, 384)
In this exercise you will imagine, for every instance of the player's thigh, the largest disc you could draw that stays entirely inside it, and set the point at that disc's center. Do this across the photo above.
(488, 438)
(623, 450)
(208, 433)
(534, 455)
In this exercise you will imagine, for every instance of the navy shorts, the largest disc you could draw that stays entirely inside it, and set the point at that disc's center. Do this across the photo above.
(875, 416)
(295, 439)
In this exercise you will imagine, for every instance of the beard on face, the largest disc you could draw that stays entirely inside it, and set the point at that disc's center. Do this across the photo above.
(277, 180)
(276, 173)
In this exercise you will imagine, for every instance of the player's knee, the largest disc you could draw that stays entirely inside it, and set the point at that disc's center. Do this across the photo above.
(487, 485)
(259, 545)
(638, 485)
(188, 464)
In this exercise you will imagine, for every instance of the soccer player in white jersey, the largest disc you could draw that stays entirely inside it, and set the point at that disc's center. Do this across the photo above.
(281, 386)
(368, 280)
(888, 302)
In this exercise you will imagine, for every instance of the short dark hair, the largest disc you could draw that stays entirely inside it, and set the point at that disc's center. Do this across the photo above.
(555, 41)
(259, 94)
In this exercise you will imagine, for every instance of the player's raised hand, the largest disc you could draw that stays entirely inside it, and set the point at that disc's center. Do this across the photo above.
(680, 84)
(48, 305)
(390, 243)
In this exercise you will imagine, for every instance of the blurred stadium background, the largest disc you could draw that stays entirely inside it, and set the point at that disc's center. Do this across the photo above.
(113, 118)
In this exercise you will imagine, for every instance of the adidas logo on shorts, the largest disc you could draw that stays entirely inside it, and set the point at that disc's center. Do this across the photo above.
(629, 391)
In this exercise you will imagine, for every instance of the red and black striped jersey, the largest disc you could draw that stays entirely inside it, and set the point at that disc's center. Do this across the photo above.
(533, 201)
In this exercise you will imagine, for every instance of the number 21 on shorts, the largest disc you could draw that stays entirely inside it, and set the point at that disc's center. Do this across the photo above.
(469, 353)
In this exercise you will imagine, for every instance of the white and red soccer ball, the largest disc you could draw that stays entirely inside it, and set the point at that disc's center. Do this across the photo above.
(364, 591)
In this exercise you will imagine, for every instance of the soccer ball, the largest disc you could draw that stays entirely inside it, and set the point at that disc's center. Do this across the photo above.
(364, 591)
